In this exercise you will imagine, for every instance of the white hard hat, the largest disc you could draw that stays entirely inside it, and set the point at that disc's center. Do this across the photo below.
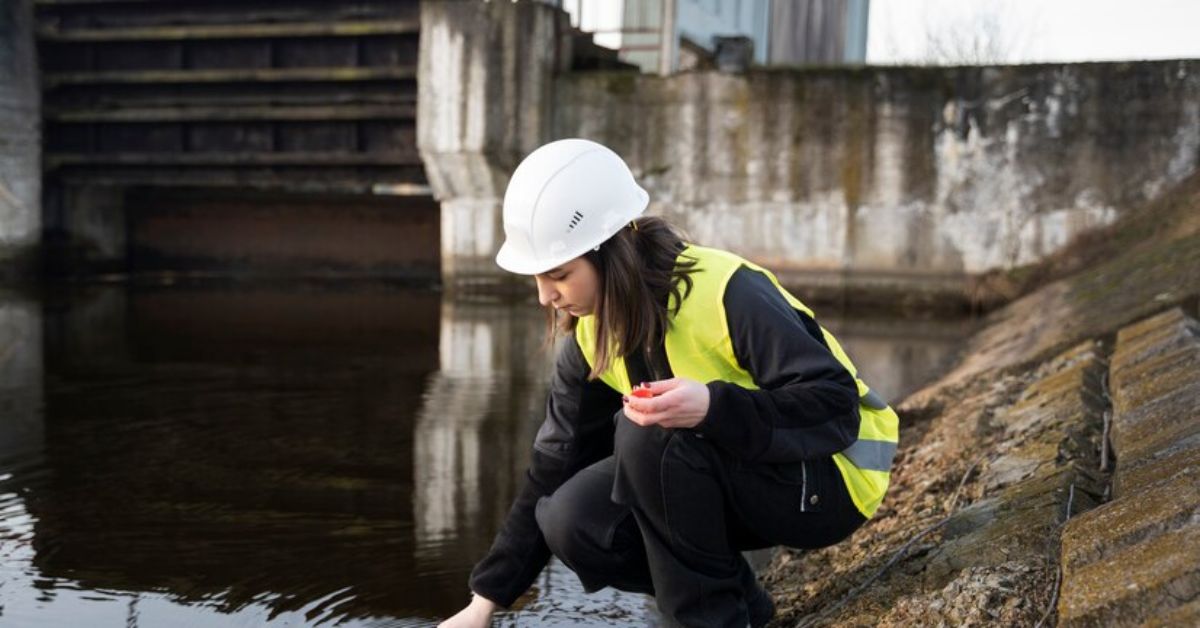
(563, 200)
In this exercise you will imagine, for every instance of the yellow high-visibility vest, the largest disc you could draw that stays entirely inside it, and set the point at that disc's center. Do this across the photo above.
(698, 347)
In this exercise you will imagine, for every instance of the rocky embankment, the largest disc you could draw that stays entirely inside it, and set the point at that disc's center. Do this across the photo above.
(1053, 476)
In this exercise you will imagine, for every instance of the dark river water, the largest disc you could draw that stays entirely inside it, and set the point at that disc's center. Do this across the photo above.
(186, 455)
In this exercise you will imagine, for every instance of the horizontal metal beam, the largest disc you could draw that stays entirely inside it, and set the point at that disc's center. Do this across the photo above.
(383, 180)
(233, 75)
(235, 95)
(232, 31)
(235, 179)
(257, 113)
(58, 3)
(233, 158)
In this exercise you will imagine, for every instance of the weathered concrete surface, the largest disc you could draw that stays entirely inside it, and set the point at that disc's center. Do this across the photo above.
(1015, 432)
(485, 101)
(1138, 557)
(20, 142)
(1136, 268)
(897, 171)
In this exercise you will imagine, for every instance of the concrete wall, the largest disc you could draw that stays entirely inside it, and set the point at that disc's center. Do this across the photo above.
(20, 140)
(896, 172)
(894, 177)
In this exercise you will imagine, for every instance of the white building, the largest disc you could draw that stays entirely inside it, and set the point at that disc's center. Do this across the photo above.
(780, 32)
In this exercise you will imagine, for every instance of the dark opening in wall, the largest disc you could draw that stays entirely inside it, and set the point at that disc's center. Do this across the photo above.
(285, 235)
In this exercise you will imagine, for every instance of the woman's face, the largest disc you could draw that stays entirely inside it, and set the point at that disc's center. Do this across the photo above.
(573, 287)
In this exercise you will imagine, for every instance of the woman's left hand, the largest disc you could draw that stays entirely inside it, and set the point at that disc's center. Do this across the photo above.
(677, 403)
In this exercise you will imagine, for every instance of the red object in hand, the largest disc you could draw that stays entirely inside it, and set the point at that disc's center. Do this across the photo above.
(644, 393)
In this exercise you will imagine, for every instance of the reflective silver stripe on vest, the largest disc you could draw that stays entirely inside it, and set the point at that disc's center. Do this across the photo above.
(871, 455)
(873, 401)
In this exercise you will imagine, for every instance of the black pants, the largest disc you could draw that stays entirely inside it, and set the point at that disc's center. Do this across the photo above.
(669, 513)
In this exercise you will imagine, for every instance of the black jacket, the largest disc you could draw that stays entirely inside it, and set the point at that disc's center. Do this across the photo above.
(806, 408)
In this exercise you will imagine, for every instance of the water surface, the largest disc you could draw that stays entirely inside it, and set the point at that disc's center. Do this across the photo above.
(289, 455)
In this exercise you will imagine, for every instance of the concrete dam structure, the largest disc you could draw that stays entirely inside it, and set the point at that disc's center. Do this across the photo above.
(908, 178)
(221, 137)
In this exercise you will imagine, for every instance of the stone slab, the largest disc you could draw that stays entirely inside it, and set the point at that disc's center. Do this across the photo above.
(1136, 475)
(1156, 427)
(1106, 530)
(1144, 581)
(1142, 337)
(1154, 377)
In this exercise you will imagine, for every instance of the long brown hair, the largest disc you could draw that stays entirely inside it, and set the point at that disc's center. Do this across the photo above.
(638, 268)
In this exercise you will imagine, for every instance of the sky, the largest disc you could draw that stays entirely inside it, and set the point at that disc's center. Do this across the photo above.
(1021, 31)
(1027, 31)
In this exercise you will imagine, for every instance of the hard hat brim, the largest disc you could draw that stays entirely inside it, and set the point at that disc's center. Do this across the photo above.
(512, 261)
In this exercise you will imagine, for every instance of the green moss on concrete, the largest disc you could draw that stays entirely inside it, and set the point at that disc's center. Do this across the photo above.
(1103, 532)
(619, 84)
(1142, 581)
(1136, 475)
(1156, 426)
(1154, 377)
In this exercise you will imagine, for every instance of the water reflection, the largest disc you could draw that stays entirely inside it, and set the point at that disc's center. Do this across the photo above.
(215, 455)
(477, 417)
(21, 434)
(896, 356)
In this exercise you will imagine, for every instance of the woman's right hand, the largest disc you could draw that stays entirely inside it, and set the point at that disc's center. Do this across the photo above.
(477, 614)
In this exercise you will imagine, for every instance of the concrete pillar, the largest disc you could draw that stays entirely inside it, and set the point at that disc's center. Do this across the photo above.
(85, 229)
(20, 142)
(485, 100)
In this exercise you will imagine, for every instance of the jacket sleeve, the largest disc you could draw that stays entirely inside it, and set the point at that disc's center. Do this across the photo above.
(806, 406)
(577, 431)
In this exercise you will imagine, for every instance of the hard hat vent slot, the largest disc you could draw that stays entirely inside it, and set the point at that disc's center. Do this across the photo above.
(575, 219)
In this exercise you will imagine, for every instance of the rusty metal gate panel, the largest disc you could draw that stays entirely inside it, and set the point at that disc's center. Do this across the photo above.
(303, 97)
(300, 94)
